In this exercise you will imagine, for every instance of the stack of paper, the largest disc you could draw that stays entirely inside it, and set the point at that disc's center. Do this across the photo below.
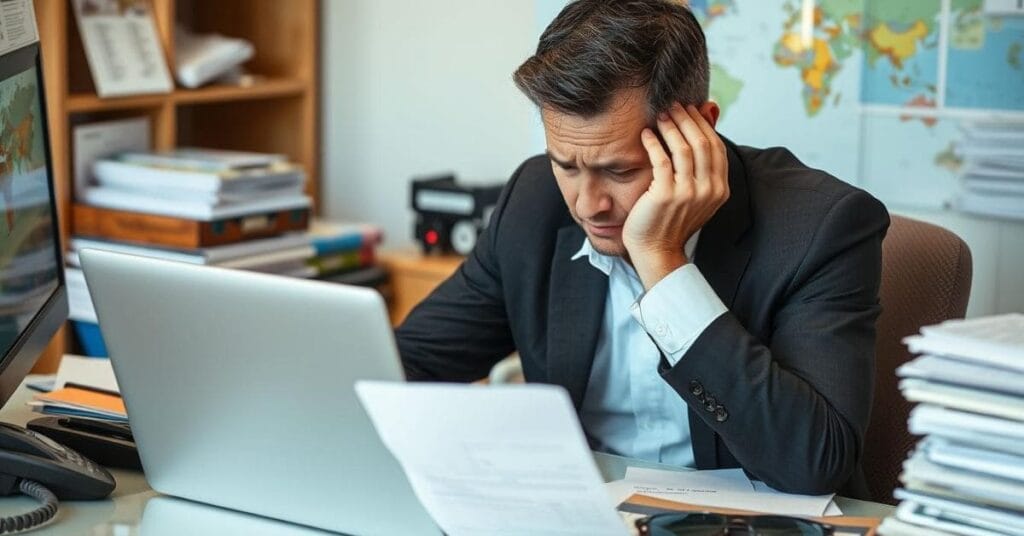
(197, 183)
(722, 488)
(84, 387)
(993, 169)
(967, 475)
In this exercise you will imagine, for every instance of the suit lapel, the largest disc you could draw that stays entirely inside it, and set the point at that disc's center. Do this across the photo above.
(575, 308)
(722, 261)
(719, 256)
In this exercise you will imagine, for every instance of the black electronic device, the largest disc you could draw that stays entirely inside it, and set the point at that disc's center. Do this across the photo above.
(26, 455)
(450, 216)
(109, 444)
(33, 295)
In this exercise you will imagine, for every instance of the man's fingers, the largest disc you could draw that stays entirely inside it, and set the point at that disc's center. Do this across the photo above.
(661, 164)
(679, 150)
(697, 140)
(719, 161)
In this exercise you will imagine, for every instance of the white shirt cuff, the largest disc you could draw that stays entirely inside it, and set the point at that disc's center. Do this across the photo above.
(676, 310)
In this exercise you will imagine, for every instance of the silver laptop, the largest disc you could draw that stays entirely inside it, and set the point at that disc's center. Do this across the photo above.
(239, 389)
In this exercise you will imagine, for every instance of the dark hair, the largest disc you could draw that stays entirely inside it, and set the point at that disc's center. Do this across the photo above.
(594, 48)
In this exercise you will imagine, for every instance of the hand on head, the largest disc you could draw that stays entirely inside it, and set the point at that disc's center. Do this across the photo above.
(690, 183)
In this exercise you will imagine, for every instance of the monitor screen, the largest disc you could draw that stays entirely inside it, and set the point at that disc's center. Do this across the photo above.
(30, 266)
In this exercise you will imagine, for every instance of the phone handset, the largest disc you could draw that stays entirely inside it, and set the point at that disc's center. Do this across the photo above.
(35, 465)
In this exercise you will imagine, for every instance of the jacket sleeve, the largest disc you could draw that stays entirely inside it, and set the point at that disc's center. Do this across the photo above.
(461, 330)
(793, 409)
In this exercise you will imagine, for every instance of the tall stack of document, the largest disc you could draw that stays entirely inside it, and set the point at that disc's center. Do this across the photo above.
(967, 475)
(993, 169)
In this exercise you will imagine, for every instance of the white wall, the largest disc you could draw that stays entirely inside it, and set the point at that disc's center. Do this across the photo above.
(411, 88)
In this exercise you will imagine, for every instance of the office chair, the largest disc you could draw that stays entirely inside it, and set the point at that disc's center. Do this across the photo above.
(926, 278)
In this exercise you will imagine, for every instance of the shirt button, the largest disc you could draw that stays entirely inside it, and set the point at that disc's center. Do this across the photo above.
(661, 329)
(721, 415)
(696, 388)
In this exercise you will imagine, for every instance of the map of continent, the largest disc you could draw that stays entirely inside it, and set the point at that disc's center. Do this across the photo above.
(22, 154)
(18, 118)
(901, 52)
(818, 42)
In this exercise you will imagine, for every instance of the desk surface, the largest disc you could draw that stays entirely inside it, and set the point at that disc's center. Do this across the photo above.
(122, 515)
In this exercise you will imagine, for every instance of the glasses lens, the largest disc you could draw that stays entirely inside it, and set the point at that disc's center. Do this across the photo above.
(787, 525)
(682, 524)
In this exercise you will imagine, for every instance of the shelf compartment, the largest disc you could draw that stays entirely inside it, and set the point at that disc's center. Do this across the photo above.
(262, 89)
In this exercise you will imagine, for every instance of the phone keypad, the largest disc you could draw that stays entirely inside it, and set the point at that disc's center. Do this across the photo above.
(69, 455)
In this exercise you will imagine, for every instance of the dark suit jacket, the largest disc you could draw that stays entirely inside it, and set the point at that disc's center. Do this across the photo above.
(780, 385)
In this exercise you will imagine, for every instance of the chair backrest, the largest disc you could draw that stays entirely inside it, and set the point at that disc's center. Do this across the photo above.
(926, 278)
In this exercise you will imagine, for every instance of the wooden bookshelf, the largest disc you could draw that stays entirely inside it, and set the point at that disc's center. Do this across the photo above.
(276, 113)
(260, 90)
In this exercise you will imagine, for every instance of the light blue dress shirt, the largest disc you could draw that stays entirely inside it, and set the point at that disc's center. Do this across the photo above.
(628, 408)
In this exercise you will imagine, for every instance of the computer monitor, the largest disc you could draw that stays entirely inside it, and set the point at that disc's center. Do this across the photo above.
(33, 296)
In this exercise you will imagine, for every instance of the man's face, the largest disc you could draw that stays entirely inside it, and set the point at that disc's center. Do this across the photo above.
(601, 166)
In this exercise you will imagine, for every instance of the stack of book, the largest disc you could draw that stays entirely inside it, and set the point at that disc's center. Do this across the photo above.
(203, 206)
(993, 169)
(967, 475)
(346, 253)
(196, 185)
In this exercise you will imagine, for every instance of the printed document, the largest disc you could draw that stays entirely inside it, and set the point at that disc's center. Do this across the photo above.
(493, 460)
(721, 488)
(17, 25)
(122, 46)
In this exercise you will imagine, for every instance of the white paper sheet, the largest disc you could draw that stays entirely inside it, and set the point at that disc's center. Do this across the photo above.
(697, 487)
(962, 398)
(720, 490)
(964, 373)
(970, 458)
(123, 48)
(979, 515)
(17, 25)
(918, 469)
(992, 433)
(493, 460)
(93, 372)
(995, 340)
(93, 141)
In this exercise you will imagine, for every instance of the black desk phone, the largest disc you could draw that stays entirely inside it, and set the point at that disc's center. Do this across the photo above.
(37, 466)
(109, 444)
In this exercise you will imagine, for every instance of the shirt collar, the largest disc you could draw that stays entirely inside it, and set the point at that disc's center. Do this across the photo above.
(604, 262)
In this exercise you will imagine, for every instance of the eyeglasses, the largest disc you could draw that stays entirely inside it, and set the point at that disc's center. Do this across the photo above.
(706, 523)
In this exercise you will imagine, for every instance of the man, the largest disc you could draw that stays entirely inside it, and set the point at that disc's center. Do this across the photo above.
(705, 304)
